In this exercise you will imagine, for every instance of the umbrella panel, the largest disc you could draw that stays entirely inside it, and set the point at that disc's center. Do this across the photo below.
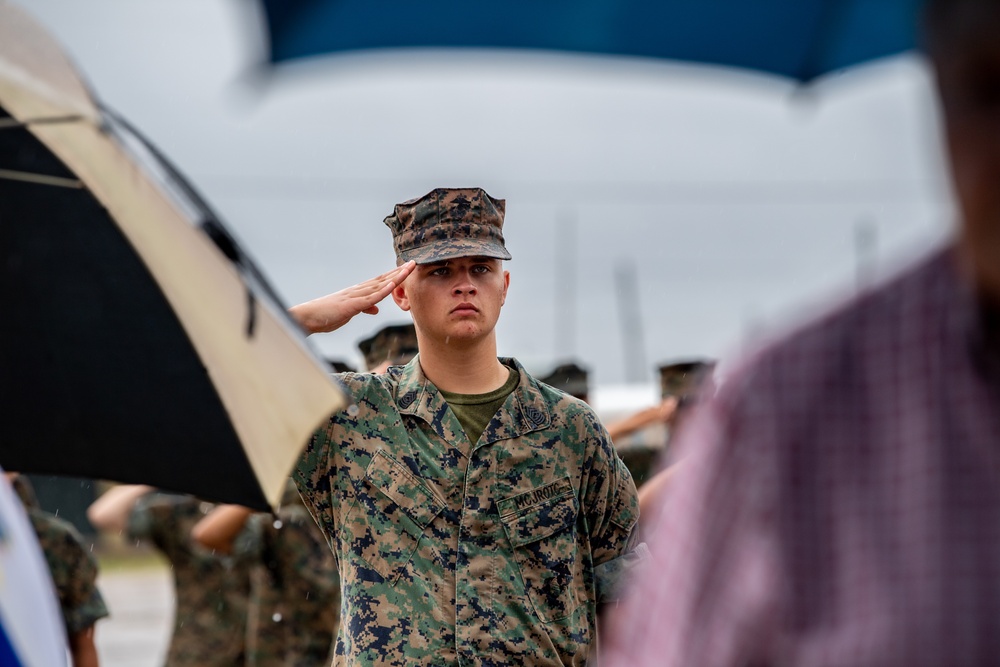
(98, 376)
(800, 39)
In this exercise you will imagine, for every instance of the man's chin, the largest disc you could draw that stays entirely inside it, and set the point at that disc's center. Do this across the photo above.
(465, 332)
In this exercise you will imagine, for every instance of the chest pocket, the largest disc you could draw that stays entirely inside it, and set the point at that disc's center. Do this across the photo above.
(393, 510)
(541, 528)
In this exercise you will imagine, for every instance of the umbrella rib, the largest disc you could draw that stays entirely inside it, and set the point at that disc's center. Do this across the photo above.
(210, 224)
(41, 179)
(13, 123)
(831, 12)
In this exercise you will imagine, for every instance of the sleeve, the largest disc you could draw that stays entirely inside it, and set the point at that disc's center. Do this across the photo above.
(321, 474)
(156, 519)
(249, 544)
(609, 577)
(85, 605)
(314, 476)
(309, 558)
(707, 594)
(610, 498)
(74, 573)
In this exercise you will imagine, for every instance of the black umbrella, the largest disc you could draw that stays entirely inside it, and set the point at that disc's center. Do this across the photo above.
(139, 343)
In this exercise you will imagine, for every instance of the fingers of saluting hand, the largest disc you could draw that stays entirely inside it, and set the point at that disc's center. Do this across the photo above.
(372, 291)
(333, 311)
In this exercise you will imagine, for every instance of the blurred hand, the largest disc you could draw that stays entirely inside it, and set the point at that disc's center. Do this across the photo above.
(330, 312)
(666, 409)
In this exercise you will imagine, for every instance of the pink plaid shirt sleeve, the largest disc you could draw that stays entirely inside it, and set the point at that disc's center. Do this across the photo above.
(839, 502)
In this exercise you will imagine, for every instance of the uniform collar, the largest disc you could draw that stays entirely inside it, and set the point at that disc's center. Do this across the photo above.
(525, 410)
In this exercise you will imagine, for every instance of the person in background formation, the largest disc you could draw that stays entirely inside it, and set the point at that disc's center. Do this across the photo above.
(393, 345)
(295, 597)
(838, 502)
(74, 573)
(681, 385)
(571, 378)
(211, 591)
(477, 515)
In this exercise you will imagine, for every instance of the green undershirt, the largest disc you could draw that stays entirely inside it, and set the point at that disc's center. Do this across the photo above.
(475, 411)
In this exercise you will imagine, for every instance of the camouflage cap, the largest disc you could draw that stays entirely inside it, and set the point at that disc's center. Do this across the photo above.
(687, 379)
(396, 343)
(447, 223)
(570, 378)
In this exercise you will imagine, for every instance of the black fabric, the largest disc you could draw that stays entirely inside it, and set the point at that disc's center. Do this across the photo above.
(97, 376)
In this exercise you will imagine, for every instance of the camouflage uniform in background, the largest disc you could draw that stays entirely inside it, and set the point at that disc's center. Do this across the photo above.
(211, 591)
(73, 567)
(295, 606)
(450, 551)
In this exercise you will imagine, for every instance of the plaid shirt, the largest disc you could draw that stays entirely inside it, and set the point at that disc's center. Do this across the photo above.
(839, 501)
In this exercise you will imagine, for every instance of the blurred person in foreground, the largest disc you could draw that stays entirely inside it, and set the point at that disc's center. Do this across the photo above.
(32, 634)
(210, 590)
(74, 572)
(295, 592)
(839, 501)
(477, 516)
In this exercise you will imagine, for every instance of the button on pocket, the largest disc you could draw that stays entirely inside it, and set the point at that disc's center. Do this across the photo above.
(396, 507)
(541, 527)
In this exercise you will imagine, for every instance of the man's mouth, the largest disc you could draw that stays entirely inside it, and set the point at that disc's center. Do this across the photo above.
(464, 309)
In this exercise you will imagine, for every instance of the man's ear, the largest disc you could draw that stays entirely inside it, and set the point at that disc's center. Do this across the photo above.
(399, 296)
(506, 285)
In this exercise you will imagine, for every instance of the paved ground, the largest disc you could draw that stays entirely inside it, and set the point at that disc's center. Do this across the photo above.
(141, 603)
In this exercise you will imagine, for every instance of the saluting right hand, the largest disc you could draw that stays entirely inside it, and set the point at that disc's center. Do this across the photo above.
(330, 312)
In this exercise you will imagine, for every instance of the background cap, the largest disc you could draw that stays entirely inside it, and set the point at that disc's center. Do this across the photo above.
(687, 379)
(570, 378)
(396, 343)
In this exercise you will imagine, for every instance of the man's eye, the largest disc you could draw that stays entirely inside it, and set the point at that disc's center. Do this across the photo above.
(439, 272)
(480, 268)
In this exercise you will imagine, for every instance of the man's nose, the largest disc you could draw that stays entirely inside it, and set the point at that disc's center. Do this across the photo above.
(465, 286)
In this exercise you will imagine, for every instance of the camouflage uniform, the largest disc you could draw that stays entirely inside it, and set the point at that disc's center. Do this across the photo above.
(295, 606)
(456, 552)
(73, 567)
(211, 591)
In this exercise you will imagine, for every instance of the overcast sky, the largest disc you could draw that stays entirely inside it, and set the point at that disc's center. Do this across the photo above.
(708, 206)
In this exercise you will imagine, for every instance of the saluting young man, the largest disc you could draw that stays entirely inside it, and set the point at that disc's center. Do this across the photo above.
(476, 514)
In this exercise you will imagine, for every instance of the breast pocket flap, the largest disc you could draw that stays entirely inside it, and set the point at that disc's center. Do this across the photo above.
(539, 513)
(395, 481)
